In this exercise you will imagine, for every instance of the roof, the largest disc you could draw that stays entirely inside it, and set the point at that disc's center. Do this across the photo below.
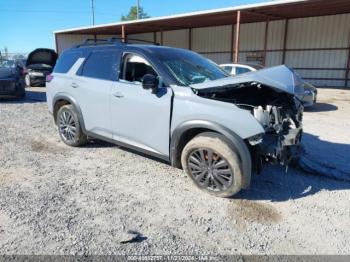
(272, 10)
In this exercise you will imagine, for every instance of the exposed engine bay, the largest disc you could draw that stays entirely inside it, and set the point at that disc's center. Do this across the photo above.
(279, 113)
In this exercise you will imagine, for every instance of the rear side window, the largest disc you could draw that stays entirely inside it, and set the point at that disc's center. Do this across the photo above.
(101, 65)
(66, 61)
(228, 69)
(242, 70)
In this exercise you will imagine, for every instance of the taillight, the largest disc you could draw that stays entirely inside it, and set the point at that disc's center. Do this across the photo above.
(49, 78)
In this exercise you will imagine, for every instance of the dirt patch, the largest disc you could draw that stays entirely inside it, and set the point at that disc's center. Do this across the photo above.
(14, 175)
(45, 146)
(244, 212)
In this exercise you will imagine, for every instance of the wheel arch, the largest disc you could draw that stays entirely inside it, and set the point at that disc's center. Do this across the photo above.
(183, 133)
(64, 99)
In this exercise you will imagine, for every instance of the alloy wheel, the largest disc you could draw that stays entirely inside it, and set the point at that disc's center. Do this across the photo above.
(67, 126)
(210, 170)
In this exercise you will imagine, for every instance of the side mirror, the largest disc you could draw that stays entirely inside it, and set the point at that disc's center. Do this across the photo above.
(150, 81)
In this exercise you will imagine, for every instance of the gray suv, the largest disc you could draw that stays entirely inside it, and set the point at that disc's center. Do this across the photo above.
(178, 106)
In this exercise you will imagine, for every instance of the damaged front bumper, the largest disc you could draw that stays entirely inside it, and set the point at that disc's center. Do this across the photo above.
(281, 142)
(277, 149)
(281, 148)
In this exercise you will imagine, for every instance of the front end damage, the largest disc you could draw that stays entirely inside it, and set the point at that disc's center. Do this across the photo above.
(282, 122)
(274, 104)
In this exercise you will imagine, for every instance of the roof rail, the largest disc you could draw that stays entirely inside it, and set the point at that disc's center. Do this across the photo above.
(95, 41)
(112, 40)
(127, 39)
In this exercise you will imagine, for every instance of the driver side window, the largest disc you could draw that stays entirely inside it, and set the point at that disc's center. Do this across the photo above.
(134, 67)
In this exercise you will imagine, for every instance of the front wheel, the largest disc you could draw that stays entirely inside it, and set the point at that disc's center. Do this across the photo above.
(69, 127)
(212, 165)
(27, 80)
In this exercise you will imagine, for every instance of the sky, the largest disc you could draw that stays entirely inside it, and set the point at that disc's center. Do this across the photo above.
(29, 24)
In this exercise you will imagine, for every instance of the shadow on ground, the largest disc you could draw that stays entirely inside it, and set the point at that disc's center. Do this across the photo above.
(276, 185)
(321, 107)
(30, 98)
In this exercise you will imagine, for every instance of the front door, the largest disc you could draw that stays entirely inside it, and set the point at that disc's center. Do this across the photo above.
(139, 117)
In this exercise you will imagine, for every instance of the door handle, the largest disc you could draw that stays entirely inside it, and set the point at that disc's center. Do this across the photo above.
(118, 94)
(74, 85)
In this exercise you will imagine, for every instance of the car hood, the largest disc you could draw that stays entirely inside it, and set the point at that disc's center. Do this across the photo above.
(281, 78)
(6, 72)
(42, 56)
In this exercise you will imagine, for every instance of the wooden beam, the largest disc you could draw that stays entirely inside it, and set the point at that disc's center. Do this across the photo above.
(155, 37)
(190, 38)
(265, 41)
(238, 23)
(232, 42)
(161, 38)
(347, 73)
(123, 33)
(285, 38)
(56, 44)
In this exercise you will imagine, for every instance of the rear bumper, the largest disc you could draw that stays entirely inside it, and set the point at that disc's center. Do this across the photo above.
(10, 88)
(38, 80)
(310, 99)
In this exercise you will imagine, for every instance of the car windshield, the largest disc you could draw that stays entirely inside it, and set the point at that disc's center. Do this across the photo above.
(7, 64)
(190, 68)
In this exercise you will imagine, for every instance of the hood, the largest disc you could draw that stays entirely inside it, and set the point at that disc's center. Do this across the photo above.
(281, 78)
(6, 72)
(42, 56)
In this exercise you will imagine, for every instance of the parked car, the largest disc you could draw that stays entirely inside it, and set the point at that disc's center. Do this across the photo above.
(309, 97)
(176, 105)
(237, 69)
(38, 65)
(11, 79)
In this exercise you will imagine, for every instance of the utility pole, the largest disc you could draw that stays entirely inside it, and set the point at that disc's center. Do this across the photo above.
(93, 12)
(138, 10)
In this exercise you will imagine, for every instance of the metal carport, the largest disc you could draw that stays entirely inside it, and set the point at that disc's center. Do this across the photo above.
(312, 36)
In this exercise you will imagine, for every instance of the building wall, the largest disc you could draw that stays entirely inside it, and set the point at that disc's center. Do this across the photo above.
(317, 47)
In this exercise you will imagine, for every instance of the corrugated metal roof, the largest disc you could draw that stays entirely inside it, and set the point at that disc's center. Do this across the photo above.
(272, 10)
(183, 15)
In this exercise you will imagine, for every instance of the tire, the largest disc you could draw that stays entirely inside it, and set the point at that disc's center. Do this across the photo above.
(27, 80)
(69, 127)
(222, 176)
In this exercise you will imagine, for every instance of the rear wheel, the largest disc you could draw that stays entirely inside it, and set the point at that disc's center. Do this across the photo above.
(212, 165)
(69, 126)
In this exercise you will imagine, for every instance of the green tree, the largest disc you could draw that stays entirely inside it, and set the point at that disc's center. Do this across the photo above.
(133, 14)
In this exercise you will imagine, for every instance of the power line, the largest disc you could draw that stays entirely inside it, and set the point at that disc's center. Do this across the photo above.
(55, 11)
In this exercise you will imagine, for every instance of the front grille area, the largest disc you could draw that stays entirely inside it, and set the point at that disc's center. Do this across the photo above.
(7, 86)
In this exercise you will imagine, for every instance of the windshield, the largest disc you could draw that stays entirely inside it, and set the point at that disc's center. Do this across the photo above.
(7, 64)
(190, 68)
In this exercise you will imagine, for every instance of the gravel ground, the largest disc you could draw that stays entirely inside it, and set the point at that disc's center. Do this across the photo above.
(101, 199)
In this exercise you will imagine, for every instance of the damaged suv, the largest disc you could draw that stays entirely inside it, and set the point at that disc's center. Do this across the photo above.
(178, 106)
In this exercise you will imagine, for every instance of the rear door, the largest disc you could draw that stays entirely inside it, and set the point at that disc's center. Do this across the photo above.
(93, 88)
(140, 118)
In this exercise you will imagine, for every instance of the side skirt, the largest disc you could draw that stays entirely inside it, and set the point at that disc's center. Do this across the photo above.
(131, 148)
